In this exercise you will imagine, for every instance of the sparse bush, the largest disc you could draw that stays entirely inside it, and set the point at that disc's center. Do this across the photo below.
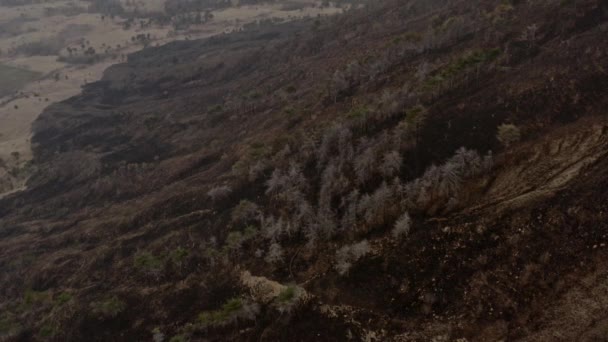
(245, 212)
(219, 192)
(233, 310)
(234, 241)
(288, 298)
(415, 119)
(47, 330)
(508, 134)
(179, 338)
(8, 324)
(63, 298)
(348, 255)
(157, 335)
(178, 255)
(287, 295)
(108, 308)
(148, 263)
(32, 297)
(275, 254)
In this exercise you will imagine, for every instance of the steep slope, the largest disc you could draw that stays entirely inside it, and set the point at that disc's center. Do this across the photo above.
(306, 181)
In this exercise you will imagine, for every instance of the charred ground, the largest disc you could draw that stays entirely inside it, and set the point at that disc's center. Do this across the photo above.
(160, 187)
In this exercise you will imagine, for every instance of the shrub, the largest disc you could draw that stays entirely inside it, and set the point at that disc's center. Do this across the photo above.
(288, 298)
(148, 263)
(157, 335)
(359, 112)
(287, 295)
(63, 298)
(178, 255)
(415, 119)
(108, 308)
(234, 241)
(219, 192)
(34, 297)
(348, 255)
(8, 324)
(508, 134)
(244, 212)
(179, 338)
(275, 254)
(47, 330)
(233, 310)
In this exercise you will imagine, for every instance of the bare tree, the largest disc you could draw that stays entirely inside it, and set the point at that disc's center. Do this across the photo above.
(391, 164)
(402, 226)
(350, 254)
(219, 192)
(275, 254)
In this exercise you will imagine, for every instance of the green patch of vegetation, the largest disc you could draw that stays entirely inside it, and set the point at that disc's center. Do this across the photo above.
(215, 109)
(258, 150)
(235, 239)
(211, 253)
(289, 111)
(412, 115)
(47, 330)
(287, 295)
(415, 37)
(7, 324)
(217, 317)
(254, 95)
(359, 112)
(463, 63)
(178, 255)
(409, 37)
(415, 118)
(503, 8)
(32, 297)
(109, 307)
(12, 79)
(442, 26)
(250, 232)
(179, 338)
(63, 298)
(147, 262)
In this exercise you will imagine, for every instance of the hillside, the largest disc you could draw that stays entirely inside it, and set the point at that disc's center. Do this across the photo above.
(50, 49)
(420, 170)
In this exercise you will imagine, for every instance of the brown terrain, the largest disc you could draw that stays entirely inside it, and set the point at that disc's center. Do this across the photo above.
(49, 49)
(254, 186)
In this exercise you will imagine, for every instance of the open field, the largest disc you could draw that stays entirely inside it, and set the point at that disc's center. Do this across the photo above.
(14, 78)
